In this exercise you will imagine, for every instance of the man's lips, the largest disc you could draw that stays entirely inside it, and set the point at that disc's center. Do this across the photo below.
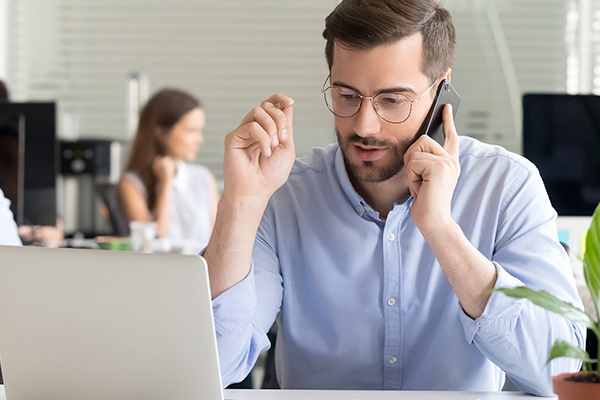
(368, 153)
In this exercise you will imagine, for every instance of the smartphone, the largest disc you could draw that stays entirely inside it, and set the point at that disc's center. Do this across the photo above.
(432, 125)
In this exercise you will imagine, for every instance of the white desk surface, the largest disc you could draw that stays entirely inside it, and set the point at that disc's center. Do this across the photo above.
(242, 394)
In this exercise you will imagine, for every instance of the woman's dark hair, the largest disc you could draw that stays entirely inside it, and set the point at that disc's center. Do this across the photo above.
(365, 24)
(157, 118)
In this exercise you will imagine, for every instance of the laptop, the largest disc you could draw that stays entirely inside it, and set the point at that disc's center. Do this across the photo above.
(97, 324)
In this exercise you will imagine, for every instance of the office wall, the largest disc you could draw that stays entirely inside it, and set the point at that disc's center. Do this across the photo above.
(231, 53)
(234, 53)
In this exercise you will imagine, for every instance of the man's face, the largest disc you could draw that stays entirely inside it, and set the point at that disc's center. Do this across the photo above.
(373, 148)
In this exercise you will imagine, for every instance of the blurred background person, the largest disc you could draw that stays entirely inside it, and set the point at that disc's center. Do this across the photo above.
(8, 227)
(161, 183)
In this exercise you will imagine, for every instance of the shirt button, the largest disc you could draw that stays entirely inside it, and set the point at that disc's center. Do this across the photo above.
(359, 210)
(392, 360)
(391, 237)
(391, 301)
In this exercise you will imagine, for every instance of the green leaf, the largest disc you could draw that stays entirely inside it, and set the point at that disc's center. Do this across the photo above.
(551, 303)
(560, 348)
(591, 258)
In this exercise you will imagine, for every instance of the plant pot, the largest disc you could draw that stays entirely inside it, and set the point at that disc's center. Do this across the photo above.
(570, 390)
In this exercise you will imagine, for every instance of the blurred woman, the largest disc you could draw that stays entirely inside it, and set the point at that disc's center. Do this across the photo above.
(160, 183)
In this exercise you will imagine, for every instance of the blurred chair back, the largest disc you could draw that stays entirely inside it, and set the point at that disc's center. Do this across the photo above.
(109, 192)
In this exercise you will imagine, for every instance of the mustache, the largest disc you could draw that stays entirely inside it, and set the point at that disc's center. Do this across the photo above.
(368, 141)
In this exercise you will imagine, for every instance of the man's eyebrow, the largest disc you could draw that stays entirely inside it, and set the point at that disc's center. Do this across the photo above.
(398, 89)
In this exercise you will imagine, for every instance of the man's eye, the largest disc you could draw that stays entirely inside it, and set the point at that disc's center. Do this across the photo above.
(392, 99)
(348, 95)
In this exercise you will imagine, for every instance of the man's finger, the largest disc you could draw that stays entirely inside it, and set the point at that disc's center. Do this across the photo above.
(450, 134)
(248, 135)
(285, 104)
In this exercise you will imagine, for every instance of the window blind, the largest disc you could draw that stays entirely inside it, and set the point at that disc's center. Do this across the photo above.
(232, 54)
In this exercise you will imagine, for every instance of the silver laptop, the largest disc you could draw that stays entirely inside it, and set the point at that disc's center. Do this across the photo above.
(97, 324)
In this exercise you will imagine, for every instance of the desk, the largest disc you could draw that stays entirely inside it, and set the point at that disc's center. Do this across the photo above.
(239, 394)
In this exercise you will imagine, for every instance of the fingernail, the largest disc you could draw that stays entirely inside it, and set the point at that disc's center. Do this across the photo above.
(290, 100)
(284, 134)
(268, 152)
(275, 140)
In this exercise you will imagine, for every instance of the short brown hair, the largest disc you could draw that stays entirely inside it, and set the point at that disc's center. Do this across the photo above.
(365, 24)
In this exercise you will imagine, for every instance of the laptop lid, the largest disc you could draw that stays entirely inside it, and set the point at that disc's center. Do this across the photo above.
(96, 324)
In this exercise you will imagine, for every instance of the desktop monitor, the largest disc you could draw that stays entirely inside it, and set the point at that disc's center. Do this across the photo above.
(28, 161)
(561, 136)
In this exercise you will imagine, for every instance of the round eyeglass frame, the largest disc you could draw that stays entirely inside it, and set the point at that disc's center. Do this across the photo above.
(330, 107)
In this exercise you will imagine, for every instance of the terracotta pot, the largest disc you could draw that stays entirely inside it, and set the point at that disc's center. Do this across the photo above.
(569, 390)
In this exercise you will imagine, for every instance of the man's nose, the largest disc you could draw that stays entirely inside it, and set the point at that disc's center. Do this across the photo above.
(367, 121)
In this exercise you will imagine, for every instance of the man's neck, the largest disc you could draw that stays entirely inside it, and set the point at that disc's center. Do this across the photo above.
(382, 196)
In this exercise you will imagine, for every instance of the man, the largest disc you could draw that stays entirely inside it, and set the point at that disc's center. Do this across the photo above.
(376, 255)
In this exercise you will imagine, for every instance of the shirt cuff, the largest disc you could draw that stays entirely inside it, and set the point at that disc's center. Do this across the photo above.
(501, 312)
(235, 307)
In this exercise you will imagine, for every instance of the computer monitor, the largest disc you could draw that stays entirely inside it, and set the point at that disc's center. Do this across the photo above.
(561, 136)
(28, 161)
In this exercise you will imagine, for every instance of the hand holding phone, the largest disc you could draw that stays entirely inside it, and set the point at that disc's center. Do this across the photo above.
(432, 125)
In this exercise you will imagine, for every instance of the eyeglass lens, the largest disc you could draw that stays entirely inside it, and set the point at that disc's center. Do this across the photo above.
(345, 102)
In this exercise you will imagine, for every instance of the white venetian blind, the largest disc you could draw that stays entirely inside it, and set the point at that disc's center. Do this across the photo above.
(506, 48)
(232, 54)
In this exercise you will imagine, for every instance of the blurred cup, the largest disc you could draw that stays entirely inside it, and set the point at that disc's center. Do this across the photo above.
(142, 235)
(113, 243)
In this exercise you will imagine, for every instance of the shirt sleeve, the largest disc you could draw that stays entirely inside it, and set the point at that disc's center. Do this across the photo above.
(9, 235)
(244, 313)
(513, 333)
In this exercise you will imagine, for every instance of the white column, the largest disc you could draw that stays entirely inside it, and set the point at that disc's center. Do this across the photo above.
(3, 39)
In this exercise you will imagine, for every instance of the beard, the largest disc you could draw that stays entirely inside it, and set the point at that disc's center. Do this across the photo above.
(366, 170)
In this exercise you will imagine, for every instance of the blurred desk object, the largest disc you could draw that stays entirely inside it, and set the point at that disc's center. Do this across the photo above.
(237, 394)
(88, 168)
(28, 161)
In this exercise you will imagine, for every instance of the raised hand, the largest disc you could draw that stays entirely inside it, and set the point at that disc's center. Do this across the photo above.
(259, 155)
(260, 152)
(165, 168)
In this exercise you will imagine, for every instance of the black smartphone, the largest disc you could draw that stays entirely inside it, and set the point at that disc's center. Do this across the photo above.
(432, 125)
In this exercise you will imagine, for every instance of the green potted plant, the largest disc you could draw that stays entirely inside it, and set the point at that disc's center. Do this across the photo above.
(585, 384)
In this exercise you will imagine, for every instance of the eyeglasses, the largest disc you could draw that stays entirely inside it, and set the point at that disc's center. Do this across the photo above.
(392, 107)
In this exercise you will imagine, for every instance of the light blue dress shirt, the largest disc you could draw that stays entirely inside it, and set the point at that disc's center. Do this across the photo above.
(362, 303)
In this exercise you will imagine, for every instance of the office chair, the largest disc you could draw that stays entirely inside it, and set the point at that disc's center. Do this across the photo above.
(109, 193)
